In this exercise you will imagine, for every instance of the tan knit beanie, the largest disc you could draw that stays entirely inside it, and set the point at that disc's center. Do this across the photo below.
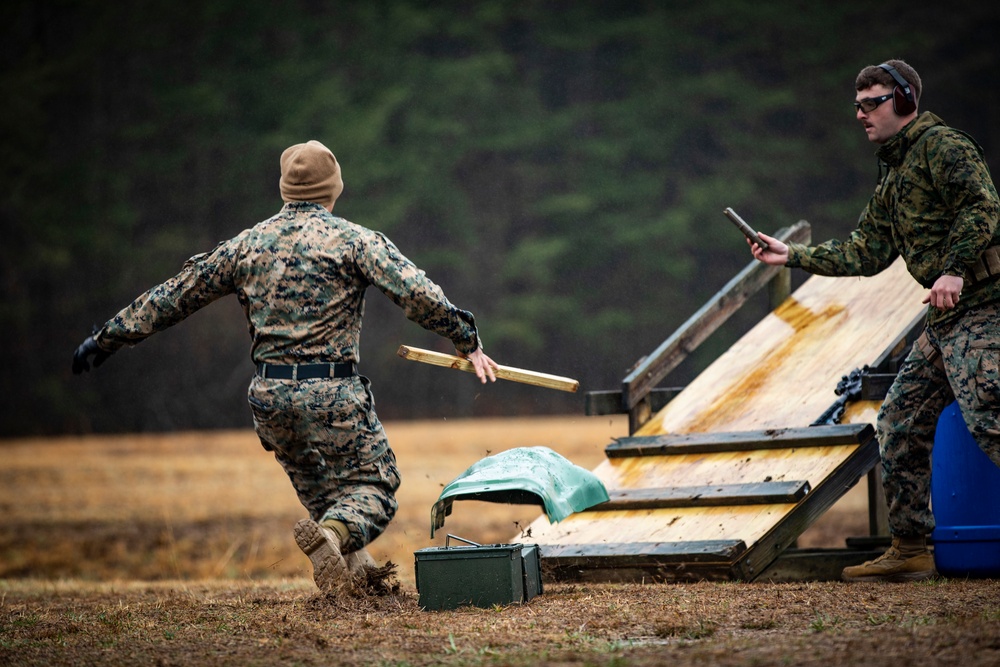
(310, 172)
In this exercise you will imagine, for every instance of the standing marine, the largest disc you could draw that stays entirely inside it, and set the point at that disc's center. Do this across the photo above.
(935, 206)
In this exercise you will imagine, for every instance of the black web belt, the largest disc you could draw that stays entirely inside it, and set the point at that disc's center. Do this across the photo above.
(340, 369)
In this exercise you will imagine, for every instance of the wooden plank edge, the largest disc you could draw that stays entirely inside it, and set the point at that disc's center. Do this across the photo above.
(502, 372)
(716, 495)
(733, 441)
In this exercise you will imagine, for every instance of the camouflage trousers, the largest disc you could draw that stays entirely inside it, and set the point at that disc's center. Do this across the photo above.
(960, 361)
(326, 436)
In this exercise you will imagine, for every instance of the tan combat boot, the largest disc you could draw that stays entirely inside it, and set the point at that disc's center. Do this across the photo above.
(358, 561)
(366, 575)
(908, 559)
(323, 546)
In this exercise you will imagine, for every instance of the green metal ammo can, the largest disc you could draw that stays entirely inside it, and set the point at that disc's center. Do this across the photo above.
(478, 575)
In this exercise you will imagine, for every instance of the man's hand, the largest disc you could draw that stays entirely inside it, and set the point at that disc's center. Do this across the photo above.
(81, 357)
(946, 292)
(776, 253)
(484, 365)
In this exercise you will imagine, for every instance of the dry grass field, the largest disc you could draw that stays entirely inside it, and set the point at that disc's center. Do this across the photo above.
(215, 504)
(177, 550)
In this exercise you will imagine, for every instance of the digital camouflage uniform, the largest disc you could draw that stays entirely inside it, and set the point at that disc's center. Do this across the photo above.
(936, 207)
(301, 277)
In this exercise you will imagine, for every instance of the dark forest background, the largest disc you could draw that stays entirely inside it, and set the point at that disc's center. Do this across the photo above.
(558, 167)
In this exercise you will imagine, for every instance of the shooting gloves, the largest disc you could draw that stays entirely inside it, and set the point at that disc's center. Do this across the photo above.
(88, 348)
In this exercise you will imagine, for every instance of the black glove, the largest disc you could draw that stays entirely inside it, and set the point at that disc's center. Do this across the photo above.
(87, 349)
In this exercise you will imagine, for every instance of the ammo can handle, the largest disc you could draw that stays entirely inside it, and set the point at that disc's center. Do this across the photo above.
(460, 539)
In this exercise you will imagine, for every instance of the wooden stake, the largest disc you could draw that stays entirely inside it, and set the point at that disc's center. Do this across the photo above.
(503, 372)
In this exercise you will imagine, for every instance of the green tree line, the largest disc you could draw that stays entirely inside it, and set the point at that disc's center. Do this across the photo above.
(558, 167)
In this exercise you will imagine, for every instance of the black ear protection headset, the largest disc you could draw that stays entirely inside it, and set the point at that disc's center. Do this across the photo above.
(903, 102)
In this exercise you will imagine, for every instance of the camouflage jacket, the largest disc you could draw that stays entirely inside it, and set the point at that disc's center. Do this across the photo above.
(300, 277)
(936, 207)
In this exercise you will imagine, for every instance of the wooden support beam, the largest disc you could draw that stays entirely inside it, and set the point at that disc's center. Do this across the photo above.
(609, 402)
(701, 443)
(694, 551)
(641, 561)
(717, 495)
(779, 288)
(878, 509)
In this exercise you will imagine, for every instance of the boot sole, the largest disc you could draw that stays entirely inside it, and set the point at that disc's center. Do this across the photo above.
(329, 567)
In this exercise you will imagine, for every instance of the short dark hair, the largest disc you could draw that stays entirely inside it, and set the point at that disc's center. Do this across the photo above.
(874, 75)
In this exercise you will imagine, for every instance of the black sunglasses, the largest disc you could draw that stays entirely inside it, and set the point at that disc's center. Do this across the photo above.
(869, 104)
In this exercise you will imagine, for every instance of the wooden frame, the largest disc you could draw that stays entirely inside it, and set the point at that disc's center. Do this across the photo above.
(716, 560)
(723, 479)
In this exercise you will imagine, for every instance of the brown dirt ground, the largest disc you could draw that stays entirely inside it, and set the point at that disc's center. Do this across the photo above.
(178, 550)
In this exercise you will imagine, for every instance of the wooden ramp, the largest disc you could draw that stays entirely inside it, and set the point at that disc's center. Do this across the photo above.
(727, 475)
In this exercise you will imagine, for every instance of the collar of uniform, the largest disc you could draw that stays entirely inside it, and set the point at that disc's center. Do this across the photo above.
(894, 151)
(303, 206)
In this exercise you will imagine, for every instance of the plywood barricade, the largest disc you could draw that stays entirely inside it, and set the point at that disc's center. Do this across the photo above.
(730, 472)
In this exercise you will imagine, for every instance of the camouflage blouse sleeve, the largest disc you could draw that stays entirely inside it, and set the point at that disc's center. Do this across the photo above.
(203, 279)
(867, 251)
(408, 287)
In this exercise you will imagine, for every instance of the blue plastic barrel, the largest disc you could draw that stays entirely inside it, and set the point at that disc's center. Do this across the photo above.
(965, 498)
